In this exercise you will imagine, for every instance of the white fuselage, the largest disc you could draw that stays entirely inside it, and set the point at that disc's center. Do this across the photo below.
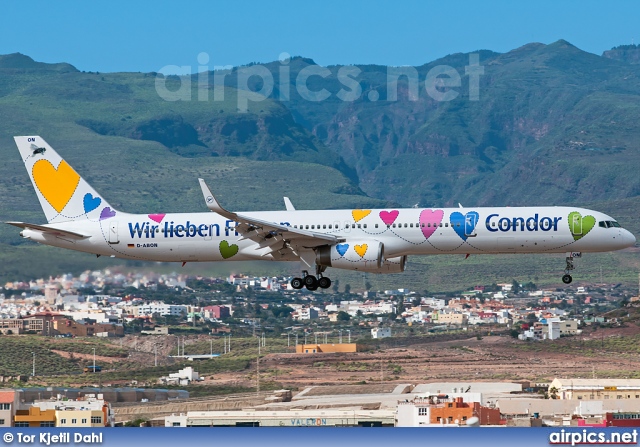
(188, 237)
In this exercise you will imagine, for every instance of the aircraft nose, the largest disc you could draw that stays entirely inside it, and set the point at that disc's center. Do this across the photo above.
(628, 238)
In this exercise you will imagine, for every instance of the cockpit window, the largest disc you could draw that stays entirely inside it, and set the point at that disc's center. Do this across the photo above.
(608, 224)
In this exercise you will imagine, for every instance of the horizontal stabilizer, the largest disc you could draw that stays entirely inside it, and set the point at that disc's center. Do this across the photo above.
(48, 230)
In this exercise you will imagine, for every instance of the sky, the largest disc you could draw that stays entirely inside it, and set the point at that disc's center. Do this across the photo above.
(148, 36)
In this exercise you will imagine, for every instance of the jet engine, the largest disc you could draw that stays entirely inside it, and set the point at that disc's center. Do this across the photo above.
(360, 255)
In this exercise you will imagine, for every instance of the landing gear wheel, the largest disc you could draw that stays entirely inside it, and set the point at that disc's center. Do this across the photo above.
(567, 279)
(324, 282)
(310, 282)
(297, 283)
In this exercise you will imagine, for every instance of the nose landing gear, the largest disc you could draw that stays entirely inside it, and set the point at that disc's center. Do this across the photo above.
(567, 277)
(312, 282)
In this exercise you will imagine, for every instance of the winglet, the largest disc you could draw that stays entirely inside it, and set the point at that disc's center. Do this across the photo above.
(212, 202)
(288, 204)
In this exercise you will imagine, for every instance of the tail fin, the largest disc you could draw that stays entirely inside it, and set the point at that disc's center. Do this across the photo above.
(63, 194)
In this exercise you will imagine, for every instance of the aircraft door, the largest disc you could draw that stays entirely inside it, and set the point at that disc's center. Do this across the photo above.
(113, 233)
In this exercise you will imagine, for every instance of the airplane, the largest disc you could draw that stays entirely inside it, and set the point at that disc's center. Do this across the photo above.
(367, 240)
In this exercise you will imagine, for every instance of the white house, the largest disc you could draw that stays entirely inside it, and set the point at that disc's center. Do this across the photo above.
(381, 332)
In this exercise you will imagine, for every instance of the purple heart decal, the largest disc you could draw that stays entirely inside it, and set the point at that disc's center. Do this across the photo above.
(107, 213)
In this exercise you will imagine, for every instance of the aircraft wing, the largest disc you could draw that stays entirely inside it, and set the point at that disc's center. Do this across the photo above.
(269, 234)
(48, 230)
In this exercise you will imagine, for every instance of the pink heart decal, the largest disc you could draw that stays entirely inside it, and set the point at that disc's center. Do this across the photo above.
(157, 217)
(107, 213)
(429, 221)
(389, 217)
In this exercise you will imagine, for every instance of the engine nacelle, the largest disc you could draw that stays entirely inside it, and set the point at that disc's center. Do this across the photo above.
(393, 265)
(360, 255)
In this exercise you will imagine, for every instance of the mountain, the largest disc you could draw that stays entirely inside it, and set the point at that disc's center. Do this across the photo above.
(629, 54)
(553, 124)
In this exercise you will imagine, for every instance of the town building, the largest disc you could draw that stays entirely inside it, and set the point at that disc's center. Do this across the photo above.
(440, 410)
(305, 313)
(7, 407)
(86, 412)
(595, 389)
(35, 417)
(217, 312)
(326, 348)
(459, 319)
(288, 418)
(182, 377)
(381, 332)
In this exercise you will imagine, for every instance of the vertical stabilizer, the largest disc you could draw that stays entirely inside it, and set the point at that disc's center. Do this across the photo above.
(63, 194)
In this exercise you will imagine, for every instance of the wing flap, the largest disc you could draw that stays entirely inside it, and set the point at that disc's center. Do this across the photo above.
(260, 230)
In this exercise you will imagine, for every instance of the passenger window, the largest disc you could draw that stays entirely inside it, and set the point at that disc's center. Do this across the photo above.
(440, 224)
(364, 226)
(410, 225)
(330, 226)
(493, 224)
(359, 226)
(394, 225)
(457, 224)
(376, 225)
(405, 225)
(306, 227)
(324, 227)
(446, 224)
(346, 226)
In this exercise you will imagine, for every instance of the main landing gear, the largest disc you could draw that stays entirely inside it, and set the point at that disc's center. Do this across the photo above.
(312, 282)
(567, 277)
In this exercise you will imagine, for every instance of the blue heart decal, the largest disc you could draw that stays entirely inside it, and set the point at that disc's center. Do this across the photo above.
(464, 225)
(342, 249)
(90, 203)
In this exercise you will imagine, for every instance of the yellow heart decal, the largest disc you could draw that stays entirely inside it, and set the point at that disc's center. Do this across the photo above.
(57, 185)
(360, 214)
(361, 249)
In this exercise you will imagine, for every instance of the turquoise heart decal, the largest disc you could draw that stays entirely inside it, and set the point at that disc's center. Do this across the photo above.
(464, 225)
(90, 203)
(342, 249)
